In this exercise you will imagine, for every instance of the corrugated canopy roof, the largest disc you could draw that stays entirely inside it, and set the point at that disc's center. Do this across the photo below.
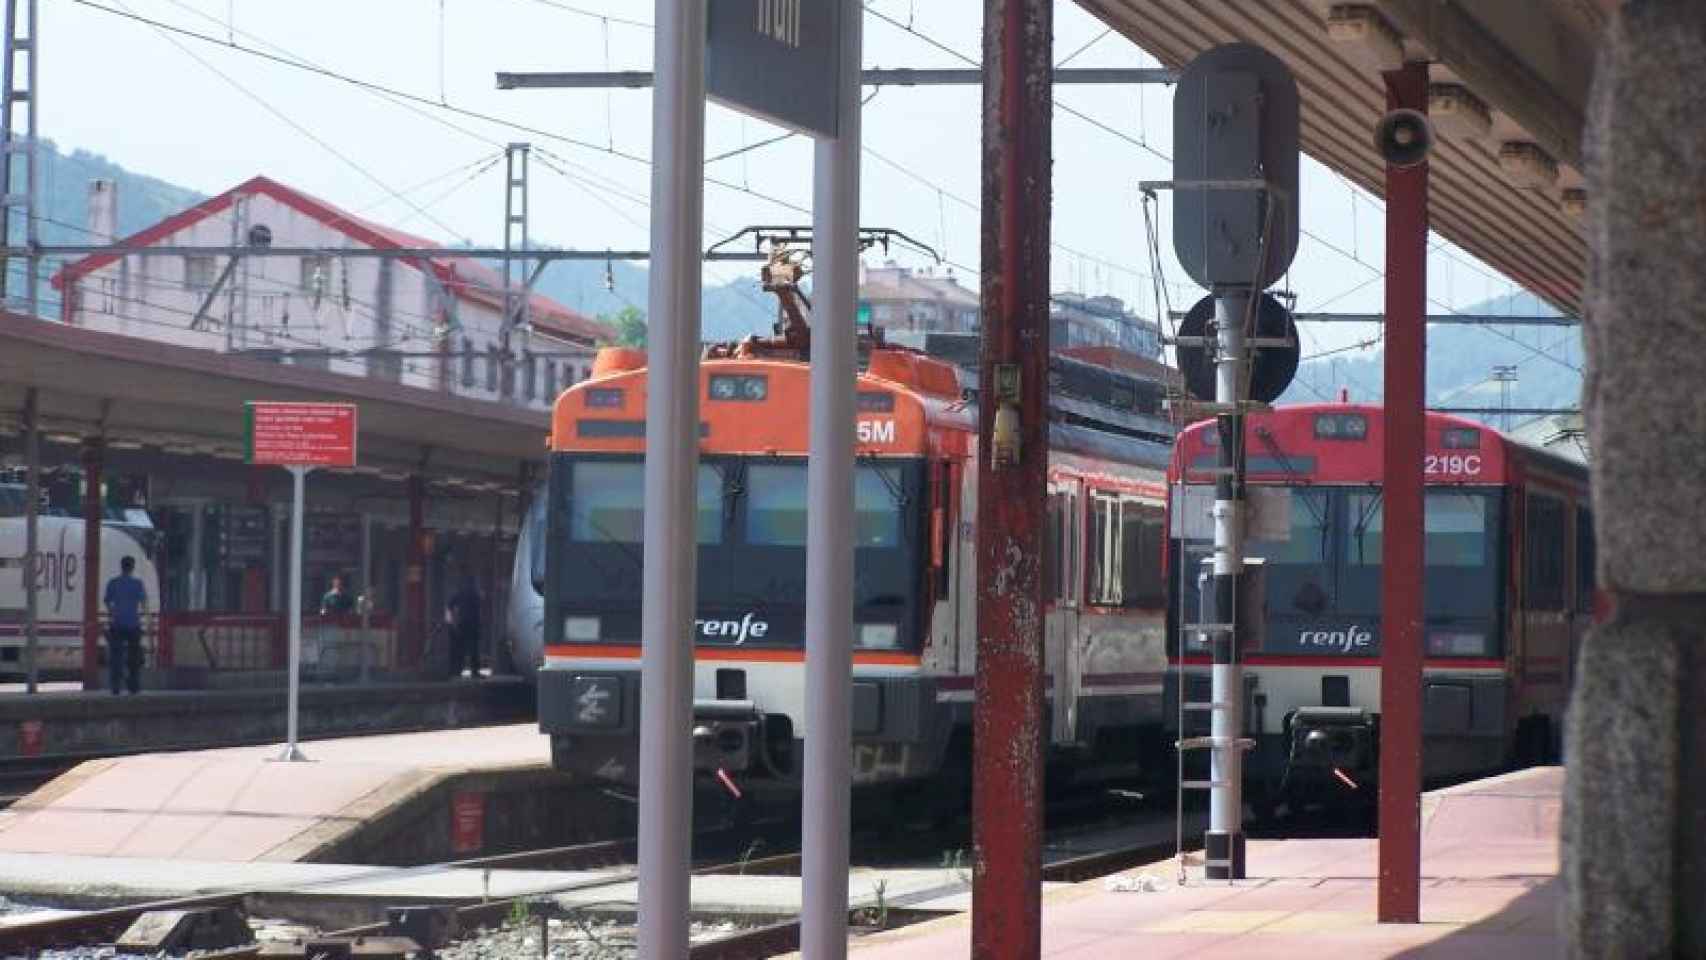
(1528, 62)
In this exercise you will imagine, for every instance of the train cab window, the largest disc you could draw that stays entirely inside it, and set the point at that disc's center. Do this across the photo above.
(1302, 527)
(776, 499)
(1456, 524)
(776, 505)
(1586, 557)
(1543, 553)
(876, 499)
(1366, 527)
(607, 502)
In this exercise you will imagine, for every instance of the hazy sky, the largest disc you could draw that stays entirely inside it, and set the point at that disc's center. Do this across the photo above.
(121, 88)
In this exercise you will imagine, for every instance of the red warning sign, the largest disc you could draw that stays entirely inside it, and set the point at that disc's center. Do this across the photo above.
(302, 434)
(467, 822)
(30, 738)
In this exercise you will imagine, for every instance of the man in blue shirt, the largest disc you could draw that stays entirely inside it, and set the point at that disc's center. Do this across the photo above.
(126, 597)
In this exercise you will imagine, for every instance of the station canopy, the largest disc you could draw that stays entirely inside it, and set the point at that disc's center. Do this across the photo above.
(191, 401)
(1508, 94)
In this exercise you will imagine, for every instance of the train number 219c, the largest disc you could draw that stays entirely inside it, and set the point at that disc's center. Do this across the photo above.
(1451, 465)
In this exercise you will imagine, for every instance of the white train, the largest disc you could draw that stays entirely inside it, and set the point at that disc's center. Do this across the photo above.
(61, 579)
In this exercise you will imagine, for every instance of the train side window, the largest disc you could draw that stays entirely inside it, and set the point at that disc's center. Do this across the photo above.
(1056, 580)
(1543, 554)
(1586, 557)
(1072, 541)
(942, 533)
(1103, 584)
(1140, 546)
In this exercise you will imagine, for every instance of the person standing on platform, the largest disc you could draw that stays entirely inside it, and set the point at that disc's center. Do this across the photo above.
(463, 616)
(126, 598)
(337, 602)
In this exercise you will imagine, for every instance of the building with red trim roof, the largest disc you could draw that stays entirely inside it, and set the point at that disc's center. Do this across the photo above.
(431, 323)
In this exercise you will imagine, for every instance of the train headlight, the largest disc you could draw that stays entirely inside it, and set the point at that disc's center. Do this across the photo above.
(580, 629)
(1458, 644)
(878, 636)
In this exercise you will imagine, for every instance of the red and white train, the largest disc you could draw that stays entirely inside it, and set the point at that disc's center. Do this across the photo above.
(1507, 583)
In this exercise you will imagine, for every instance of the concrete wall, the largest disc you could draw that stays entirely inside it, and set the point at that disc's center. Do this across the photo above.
(102, 726)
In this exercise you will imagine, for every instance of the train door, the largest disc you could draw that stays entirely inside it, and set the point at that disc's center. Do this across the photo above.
(1066, 541)
(1546, 612)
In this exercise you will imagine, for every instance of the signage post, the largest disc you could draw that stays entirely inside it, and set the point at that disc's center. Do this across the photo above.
(299, 437)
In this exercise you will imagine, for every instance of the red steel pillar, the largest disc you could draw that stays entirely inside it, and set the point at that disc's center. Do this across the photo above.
(416, 623)
(1008, 720)
(1399, 896)
(94, 450)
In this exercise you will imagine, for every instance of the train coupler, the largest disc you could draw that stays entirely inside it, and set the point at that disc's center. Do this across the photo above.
(1330, 751)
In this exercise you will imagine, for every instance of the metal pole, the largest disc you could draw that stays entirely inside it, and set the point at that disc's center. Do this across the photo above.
(872, 77)
(827, 812)
(1399, 896)
(1007, 712)
(32, 222)
(1223, 845)
(93, 461)
(297, 476)
(672, 465)
(32, 535)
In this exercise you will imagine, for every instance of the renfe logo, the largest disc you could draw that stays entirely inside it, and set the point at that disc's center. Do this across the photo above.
(735, 631)
(780, 20)
(1345, 641)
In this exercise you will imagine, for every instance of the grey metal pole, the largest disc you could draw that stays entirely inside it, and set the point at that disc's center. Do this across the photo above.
(672, 464)
(827, 795)
(32, 212)
(1223, 846)
(32, 533)
(294, 615)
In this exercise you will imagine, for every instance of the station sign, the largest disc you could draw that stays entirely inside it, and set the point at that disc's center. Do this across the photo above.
(779, 60)
(301, 434)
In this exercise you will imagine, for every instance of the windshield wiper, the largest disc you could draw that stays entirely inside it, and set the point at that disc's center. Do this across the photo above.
(1363, 522)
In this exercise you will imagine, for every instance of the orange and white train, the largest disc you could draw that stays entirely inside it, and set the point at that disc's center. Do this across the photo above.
(914, 589)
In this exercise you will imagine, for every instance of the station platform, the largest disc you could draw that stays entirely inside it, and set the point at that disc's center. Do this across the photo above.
(64, 721)
(396, 799)
(1489, 889)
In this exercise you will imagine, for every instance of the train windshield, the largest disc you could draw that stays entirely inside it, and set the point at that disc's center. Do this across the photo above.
(1321, 548)
(751, 521)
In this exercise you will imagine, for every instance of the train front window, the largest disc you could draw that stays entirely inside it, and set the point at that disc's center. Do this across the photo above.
(1459, 550)
(752, 526)
(776, 505)
(607, 502)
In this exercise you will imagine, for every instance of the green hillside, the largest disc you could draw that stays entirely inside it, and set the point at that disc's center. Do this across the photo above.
(1461, 358)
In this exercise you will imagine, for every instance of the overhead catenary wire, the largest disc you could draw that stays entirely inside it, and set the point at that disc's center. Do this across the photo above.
(266, 105)
(427, 101)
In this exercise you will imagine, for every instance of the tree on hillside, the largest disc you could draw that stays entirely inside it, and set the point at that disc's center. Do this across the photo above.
(630, 324)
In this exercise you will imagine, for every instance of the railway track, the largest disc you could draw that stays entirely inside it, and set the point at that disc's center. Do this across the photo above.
(102, 926)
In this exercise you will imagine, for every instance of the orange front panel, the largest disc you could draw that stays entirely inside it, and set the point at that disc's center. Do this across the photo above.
(608, 415)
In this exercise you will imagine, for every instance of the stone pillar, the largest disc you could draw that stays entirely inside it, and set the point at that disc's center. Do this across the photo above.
(1635, 803)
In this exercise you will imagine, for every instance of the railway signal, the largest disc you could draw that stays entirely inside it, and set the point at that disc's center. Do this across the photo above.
(1235, 230)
